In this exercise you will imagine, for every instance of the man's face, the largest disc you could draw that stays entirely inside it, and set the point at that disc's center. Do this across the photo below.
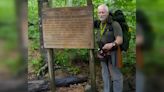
(102, 13)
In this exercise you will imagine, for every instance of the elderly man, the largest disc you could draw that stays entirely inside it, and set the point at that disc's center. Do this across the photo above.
(109, 37)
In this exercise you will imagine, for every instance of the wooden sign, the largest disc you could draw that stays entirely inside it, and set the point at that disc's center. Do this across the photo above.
(68, 27)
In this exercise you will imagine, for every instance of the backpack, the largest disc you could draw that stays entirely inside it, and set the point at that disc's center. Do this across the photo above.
(120, 18)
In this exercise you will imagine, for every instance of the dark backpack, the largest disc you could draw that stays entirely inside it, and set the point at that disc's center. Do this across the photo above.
(120, 18)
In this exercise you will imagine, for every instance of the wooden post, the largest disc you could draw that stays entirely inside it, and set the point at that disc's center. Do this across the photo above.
(92, 70)
(51, 69)
(42, 49)
(91, 61)
(50, 59)
(46, 52)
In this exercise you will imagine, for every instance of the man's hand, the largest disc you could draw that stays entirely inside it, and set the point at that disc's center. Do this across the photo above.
(107, 46)
(99, 56)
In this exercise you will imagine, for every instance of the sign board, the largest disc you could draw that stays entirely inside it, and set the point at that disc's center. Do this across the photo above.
(68, 27)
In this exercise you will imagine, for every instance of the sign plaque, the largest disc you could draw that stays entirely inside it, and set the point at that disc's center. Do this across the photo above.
(68, 27)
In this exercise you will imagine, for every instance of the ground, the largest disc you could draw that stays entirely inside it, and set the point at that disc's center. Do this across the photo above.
(129, 81)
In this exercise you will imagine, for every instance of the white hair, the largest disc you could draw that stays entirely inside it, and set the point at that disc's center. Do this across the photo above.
(104, 6)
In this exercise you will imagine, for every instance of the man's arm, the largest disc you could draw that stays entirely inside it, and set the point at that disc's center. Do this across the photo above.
(118, 35)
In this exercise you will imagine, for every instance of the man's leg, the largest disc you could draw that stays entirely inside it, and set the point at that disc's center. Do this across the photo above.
(117, 80)
(116, 74)
(105, 76)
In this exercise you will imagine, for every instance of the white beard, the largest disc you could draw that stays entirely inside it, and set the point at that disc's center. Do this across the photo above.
(102, 18)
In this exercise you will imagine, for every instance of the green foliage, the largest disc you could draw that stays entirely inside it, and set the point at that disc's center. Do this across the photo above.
(63, 3)
(128, 69)
(9, 38)
(84, 54)
(36, 64)
(65, 56)
(33, 32)
(7, 9)
(62, 58)
(33, 12)
(74, 70)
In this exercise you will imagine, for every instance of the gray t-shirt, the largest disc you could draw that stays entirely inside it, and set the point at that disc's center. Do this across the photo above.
(117, 29)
